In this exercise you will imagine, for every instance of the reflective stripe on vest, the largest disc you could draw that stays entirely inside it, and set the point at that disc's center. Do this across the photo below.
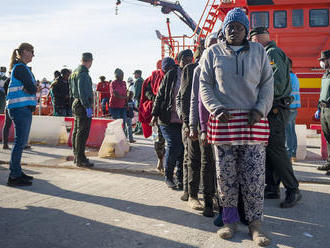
(16, 96)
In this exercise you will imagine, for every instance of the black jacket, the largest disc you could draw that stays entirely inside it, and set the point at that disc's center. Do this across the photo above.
(60, 89)
(164, 100)
(184, 95)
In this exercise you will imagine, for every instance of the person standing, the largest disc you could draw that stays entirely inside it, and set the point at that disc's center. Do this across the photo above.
(60, 94)
(137, 97)
(164, 114)
(278, 165)
(21, 102)
(3, 79)
(290, 129)
(104, 88)
(82, 108)
(118, 98)
(236, 87)
(130, 115)
(324, 105)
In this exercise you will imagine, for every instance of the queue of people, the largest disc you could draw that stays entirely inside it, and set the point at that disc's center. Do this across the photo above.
(226, 114)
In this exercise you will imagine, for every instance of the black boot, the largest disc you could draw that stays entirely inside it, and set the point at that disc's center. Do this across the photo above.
(18, 181)
(208, 206)
(291, 198)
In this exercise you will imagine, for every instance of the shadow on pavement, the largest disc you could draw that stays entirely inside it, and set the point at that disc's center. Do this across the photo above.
(41, 227)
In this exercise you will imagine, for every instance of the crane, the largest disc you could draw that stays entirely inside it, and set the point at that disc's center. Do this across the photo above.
(172, 7)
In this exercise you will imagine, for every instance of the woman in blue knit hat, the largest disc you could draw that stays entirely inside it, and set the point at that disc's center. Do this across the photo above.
(236, 87)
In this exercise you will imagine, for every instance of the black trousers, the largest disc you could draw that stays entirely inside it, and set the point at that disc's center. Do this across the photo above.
(201, 166)
(278, 165)
(6, 128)
(185, 160)
(325, 122)
(81, 128)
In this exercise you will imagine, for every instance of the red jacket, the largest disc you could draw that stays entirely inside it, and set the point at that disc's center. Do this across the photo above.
(104, 89)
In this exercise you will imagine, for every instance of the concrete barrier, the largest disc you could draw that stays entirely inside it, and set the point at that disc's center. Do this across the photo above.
(301, 142)
(114, 144)
(48, 130)
(96, 134)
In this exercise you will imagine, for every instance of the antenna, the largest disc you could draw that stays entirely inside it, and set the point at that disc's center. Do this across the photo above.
(117, 4)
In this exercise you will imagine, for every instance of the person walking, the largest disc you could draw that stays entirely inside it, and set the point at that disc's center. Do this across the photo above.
(278, 165)
(21, 102)
(236, 87)
(103, 87)
(165, 115)
(3, 79)
(118, 98)
(290, 129)
(324, 105)
(82, 108)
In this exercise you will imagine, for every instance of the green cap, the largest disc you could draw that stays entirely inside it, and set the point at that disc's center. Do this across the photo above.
(258, 30)
(87, 56)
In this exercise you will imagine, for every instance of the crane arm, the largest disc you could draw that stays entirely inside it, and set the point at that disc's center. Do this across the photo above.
(176, 8)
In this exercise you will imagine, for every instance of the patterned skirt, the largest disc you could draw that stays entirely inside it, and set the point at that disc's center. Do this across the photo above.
(237, 131)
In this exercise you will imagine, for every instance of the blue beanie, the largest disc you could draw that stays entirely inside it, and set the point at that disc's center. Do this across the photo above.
(167, 63)
(236, 15)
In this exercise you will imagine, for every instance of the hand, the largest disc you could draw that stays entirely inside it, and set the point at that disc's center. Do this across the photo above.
(254, 117)
(317, 114)
(153, 121)
(186, 131)
(203, 138)
(223, 116)
(89, 112)
(193, 135)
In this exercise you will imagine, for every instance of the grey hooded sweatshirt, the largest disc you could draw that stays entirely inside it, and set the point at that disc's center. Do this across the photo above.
(236, 80)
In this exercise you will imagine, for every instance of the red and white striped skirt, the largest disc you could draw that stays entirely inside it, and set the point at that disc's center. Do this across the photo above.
(236, 131)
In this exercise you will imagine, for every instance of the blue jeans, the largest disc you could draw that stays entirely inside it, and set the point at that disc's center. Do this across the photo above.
(22, 118)
(119, 113)
(290, 133)
(128, 131)
(174, 151)
(104, 103)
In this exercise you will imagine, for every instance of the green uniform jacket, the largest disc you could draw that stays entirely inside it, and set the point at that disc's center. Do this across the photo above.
(281, 71)
(81, 86)
(325, 88)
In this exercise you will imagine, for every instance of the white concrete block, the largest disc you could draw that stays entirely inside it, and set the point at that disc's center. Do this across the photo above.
(114, 143)
(301, 132)
(48, 130)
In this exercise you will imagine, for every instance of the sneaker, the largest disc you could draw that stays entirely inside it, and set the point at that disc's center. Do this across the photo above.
(257, 234)
(324, 167)
(26, 177)
(170, 184)
(194, 203)
(18, 181)
(227, 231)
(85, 164)
(291, 198)
(27, 147)
(185, 196)
(132, 141)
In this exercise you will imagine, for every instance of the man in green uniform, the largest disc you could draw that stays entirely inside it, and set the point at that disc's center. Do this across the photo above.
(324, 105)
(82, 108)
(278, 165)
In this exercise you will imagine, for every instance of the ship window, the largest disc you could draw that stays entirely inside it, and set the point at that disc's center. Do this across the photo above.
(319, 17)
(260, 19)
(298, 17)
(280, 19)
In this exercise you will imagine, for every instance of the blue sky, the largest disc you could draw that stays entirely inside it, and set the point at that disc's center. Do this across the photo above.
(60, 30)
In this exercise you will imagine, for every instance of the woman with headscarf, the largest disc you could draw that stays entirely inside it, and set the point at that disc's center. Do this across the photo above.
(21, 102)
(118, 97)
(236, 86)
